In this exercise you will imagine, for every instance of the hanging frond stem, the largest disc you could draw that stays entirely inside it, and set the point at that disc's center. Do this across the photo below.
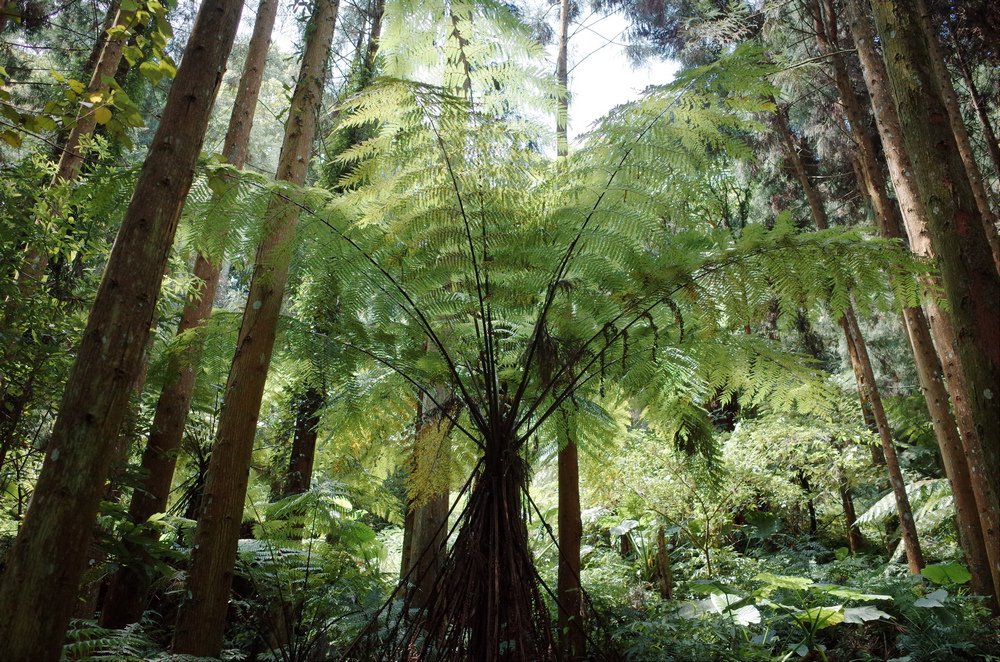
(486, 336)
(417, 315)
(569, 254)
(399, 371)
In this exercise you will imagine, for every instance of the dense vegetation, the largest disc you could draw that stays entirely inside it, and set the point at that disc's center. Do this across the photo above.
(339, 347)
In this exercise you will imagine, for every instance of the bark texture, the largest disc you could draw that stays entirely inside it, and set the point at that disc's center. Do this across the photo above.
(303, 454)
(959, 131)
(859, 356)
(127, 590)
(202, 619)
(45, 565)
(940, 215)
(872, 182)
(572, 637)
(428, 509)
(569, 593)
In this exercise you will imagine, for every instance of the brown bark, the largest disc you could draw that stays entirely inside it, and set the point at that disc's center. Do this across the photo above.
(664, 572)
(428, 512)
(867, 385)
(959, 131)
(127, 590)
(45, 565)
(929, 371)
(32, 272)
(855, 542)
(572, 637)
(202, 619)
(405, 555)
(924, 177)
(569, 593)
(71, 158)
(303, 454)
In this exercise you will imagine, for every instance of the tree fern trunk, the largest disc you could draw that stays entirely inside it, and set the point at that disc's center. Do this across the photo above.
(127, 590)
(202, 619)
(45, 565)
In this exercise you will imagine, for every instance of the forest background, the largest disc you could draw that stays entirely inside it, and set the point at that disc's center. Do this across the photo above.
(379, 341)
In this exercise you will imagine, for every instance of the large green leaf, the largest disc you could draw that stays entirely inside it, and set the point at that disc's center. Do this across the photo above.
(947, 573)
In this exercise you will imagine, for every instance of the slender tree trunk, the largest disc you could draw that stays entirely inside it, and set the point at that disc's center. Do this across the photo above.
(929, 371)
(960, 132)
(300, 463)
(128, 587)
(855, 542)
(428, 507)
(406, 554)
(572, 637)
(938, 225)
(70, 157)
(202, 619)
(664, 573)
(32, 272)
(46, 562)
(849, 324)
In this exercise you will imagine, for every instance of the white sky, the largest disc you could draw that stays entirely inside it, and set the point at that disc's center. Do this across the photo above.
(601, 76)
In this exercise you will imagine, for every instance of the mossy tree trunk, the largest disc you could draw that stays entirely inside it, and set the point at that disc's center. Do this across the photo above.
(45, 565)
(128, 586)
(940, 212)
(872, 181)
(202, 620)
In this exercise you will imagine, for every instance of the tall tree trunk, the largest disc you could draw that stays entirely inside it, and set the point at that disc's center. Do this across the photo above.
(303, 454)
(937, 209)
(428, 506)
(202, 620)
(867, 385)
(70, 157)
(929, 371)
(572, 637)
(46, 562)
(960, 132)
(32, 272)
(128, 587)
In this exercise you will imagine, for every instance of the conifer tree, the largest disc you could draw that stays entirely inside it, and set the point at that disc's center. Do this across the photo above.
(852, 331)
(943, 223)
(127, 588)
(45, 565)
(915, 323)
(202, 620)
